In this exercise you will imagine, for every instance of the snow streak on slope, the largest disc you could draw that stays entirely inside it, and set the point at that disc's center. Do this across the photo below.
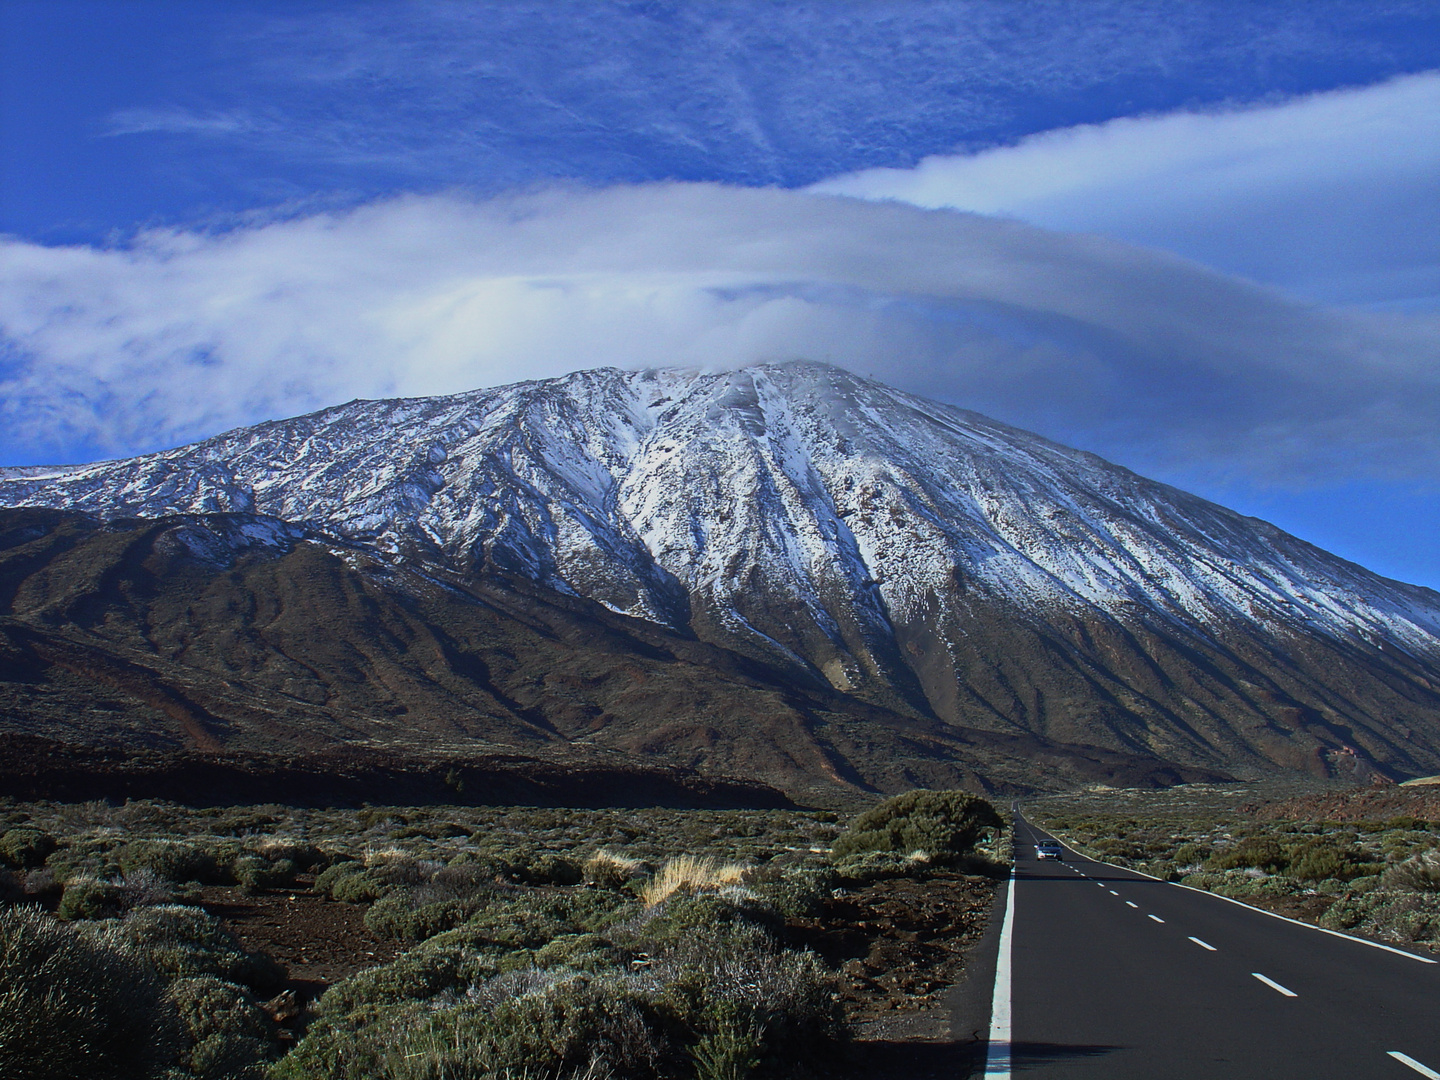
(682, 497)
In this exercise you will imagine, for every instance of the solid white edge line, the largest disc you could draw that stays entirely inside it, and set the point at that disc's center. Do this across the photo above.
(1262, 911)
(997, 1051)
(1406, 1059)
(1274, 985)
(1204, 945)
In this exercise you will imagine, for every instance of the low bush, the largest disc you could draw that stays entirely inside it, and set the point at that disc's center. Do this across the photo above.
(1399, 915)
(254, 873)
(1324, 858)
(580, 952)
(943, 824)
(229, 1036)
(90, 898)
(448, 962)
(873, 865)
(550, 869)
(78, 1004)
(398, 917)
(1419, 873)
(304, 855)
(349, 882)
(1257, 852)
(524, 1024)
(799, 893)
(186, 942)
(23, 848)
(169, 859)
(682, 917)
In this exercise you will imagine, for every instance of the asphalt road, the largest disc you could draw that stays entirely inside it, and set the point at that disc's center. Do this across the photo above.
(1116, 975)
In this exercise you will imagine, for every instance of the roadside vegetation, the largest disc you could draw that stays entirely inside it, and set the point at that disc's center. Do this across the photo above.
(1375, 876)
(533, 943)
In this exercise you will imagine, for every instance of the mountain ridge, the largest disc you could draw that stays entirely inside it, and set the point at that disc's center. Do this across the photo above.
(901, 553)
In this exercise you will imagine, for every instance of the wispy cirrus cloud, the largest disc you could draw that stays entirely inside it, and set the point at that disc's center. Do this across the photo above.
(178, 121)
(1335, 196)
(497, 92)
(1133, 353)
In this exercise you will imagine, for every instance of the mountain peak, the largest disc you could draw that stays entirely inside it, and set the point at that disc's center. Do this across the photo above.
(823, 523)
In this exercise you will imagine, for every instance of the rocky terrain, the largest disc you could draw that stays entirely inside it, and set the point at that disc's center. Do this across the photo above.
(787, 573)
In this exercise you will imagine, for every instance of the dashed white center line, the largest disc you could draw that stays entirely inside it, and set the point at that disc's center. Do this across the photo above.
(1131, 903)
(1157, 918)
(1112, 892)
(1277, 987)
(1204, 945)
(1406, 1059)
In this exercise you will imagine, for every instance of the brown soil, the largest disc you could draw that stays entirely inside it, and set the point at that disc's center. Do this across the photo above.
(318, 940)
(901, 942)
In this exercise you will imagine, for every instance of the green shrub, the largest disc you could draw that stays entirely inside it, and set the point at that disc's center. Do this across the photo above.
(255, 874)
(550, 869)
(581, 952)
(399, 918)
(76, 1004)
(1189, 853)
(230, 1037)
(799, 893)
(186, 942)
(874, 865)
(729, 982)
(449, 961)
(90, 898)
(349, 882)
(1404, 916)
(1419, 873)
(23, 848)
(943, 824)
(304, 855)
(1258, 852)
(168, 859)
(683, 917)
(523, 1024)
(1321, 859)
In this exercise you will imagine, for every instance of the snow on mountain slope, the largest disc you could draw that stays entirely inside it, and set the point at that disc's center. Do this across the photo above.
(636, 487)
(854, 534)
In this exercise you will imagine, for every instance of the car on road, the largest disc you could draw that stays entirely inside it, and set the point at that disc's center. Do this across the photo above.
(1049, 849)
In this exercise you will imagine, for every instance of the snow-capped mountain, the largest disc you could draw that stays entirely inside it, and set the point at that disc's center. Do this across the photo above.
(912, 554)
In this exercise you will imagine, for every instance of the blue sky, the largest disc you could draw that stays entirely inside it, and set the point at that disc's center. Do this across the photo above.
(1201, 239)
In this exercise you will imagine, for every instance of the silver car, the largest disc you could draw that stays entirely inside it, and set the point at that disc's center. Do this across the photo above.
(1049, 849)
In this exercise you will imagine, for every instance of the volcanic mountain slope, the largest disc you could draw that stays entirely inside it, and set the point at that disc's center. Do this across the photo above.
(239, 633)
(846, 540)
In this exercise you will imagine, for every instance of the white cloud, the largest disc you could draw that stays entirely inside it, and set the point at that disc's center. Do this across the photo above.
(174, 121)
(1335, 196)
(1133, 353)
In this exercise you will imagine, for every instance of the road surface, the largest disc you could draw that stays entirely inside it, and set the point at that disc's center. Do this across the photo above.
(1112, 974)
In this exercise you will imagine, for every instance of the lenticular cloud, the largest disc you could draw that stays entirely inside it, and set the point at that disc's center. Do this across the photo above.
(181, 334)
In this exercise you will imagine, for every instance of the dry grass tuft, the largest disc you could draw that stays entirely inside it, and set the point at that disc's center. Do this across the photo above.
(386, 855)
(609, 869)
(692, 874)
